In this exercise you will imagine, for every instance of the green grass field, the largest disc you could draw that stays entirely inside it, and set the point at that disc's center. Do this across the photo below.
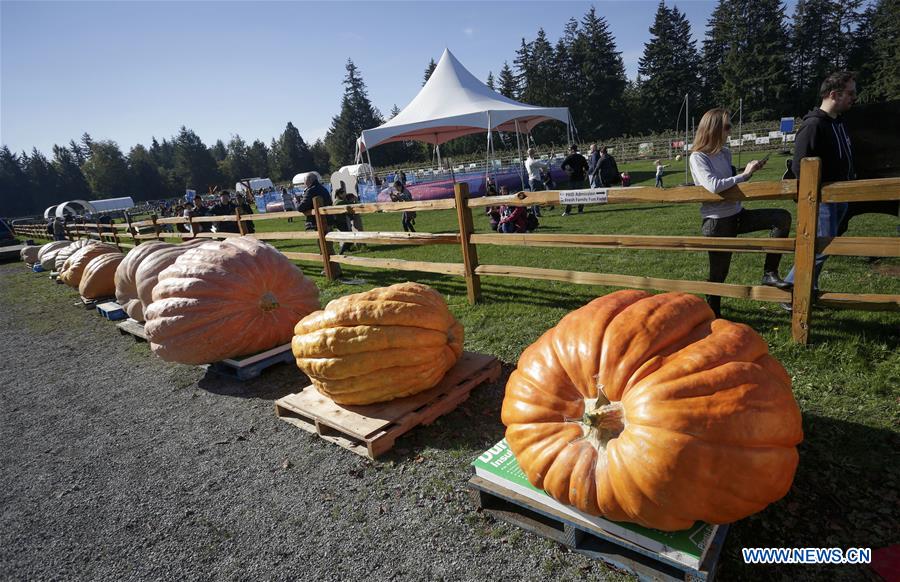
(847, 381)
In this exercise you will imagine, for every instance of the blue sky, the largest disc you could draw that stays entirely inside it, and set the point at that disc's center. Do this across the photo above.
(128, 71)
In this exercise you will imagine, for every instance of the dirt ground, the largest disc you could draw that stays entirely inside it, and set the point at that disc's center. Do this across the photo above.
(115, 465)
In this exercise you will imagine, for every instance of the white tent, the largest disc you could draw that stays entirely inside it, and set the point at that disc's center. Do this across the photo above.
(454, 103)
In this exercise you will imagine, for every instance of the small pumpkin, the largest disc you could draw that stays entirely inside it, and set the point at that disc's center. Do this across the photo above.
(29, 254)
(223, 299)
(48, 255)
(645, 408)
(379, 345)
(98, 279)
(73, 268)
(68, 251)
(126, 287)
(147, 272)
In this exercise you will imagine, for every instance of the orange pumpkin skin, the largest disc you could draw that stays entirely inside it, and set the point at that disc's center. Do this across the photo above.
(126, 286)
(223, 299)
(73, 268)
(98, 279)
(643, 408)
(70, 250)
(147, 272)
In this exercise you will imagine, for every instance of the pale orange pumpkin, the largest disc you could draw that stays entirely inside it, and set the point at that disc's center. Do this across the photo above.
(99, 277)
(224, 299)
(70, 250)
(126, 286)
(379, 345)
(645, 408)
(147, 272)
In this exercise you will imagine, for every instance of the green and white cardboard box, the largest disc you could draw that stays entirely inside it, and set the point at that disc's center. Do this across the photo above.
(498, 465)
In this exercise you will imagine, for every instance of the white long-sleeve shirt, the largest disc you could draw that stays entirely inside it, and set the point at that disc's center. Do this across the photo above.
(534, 167)
(713, 172)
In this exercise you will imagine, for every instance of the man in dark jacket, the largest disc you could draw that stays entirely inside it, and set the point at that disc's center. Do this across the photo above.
(823, 135)
(576, 167)
(225, 207)
(608, 169)
(305, 201)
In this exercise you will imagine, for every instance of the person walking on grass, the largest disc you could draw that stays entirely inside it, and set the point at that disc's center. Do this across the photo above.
(401, 194)
(659, 173)
(534, 169)
(824, 135)
(576, 167)
(711, 168)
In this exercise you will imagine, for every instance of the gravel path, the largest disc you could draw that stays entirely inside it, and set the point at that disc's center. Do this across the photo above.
(118, 466)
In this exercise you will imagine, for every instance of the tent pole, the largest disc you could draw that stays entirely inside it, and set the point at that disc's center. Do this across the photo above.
(487, 154)
(519, 151)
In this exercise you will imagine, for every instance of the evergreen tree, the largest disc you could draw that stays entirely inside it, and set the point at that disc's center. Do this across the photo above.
(716, 44)
(321, 159)
(218, 151)
(490, 81)
(86, 142)
(429, 70)
(291, 155)
(145, 179)
(884, 78)
(236, 166)
(70, 181)
(602, 79)
(507, 82)
(163, 154)
(195, 167)
(15, 193)
(106, 170)
(524, 69)
(670, 66)
(78, 153)
(258, 158)
(42, 179)
(357, 114)
(817, 47)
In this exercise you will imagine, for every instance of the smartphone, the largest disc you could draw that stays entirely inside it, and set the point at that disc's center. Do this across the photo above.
(765, 158)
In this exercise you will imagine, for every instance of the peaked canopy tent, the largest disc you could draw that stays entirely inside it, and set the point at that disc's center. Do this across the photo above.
(454, 103)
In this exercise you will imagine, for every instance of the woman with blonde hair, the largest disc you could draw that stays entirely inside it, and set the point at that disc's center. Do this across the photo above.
(711, 168)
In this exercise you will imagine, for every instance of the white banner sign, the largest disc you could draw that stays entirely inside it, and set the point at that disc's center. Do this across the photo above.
(762, 140)
(586, 196)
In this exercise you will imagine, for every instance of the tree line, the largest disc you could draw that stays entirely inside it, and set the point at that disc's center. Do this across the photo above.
(751, 50)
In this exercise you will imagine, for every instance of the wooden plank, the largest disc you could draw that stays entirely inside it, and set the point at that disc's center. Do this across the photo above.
(133, 328)
(860, 302)
(757, 292)
(275, 215)
(783, 190)
(877, 189)
(324, 245)
(804, 257)
(859, 246)
(401, 265)
(684, 243)
(315, 257)
(394, 238)
(369, 208)
(372, 430)
(297, 235)
(469, 250)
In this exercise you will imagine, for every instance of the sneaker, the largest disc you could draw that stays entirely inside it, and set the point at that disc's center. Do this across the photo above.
(564, 214)
(787, 307)
(773, 280)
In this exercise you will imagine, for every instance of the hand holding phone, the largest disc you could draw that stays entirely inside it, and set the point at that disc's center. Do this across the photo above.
(765, 158)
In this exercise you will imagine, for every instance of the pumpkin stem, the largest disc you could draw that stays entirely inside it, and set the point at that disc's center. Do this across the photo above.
(268, 301)
(607, 419)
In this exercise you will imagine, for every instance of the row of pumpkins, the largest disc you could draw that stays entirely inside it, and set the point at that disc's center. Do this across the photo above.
(636, 407)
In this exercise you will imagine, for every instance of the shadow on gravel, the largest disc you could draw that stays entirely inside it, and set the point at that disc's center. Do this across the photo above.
(274, 383)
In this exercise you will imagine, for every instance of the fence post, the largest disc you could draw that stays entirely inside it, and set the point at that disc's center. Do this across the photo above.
(99, 231)
(469, 252)
(131, 230)
(155, 226)
(322, 230)
(809, 189)
(115, 235)
(240, 225)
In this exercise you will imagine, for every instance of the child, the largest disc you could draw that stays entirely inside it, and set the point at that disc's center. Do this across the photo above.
(401, 194)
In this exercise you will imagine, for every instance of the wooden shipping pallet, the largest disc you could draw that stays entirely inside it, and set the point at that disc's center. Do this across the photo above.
(371, 430)
(250, 367)
(513, 508)
(111, 311)
(133, 328)
(92, 303)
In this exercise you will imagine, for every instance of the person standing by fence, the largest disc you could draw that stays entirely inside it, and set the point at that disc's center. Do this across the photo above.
(824, 135)
(401, 194)
(576, 167)
(711, 168)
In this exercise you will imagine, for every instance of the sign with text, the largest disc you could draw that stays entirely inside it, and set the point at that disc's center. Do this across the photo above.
(586, 196)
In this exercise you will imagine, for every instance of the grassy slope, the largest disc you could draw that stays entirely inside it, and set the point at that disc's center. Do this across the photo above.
(846, 382)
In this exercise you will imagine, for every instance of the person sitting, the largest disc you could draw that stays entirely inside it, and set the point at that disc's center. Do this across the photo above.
(512, 219)
(493, 214)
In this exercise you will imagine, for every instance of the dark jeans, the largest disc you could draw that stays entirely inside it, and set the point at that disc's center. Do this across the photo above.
(775, 220)
(409, 219)
(536, 186)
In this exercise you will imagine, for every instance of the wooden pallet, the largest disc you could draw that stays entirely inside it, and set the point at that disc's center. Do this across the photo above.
(371, 430)
(92, 303)
(112, 311)
(516, 509)
(133, 328)
(250, 367)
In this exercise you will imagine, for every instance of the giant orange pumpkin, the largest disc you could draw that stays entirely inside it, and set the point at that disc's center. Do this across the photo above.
(73, 268)
(647, 409)
(379, 345)
(70, 250)
(147, 272)
(126, 287)
(224, 299)
(99, 277)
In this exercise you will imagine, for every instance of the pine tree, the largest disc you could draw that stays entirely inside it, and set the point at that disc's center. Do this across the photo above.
(70, 181)
(258, 159)
(77, 152)
(195, 167)
(816, 48)
(42, 179)
(716, 44)
(15, 194)
(218, 151)
(490, 81)
(236, 165)
(321, 159)
(670, 66)
(106, 170)
(524, 69)
(507, 82)
(86, 142)
(884, 82)
(429, 70)
(602, 77)
(357, 114)
(290, 154)
(146, 183)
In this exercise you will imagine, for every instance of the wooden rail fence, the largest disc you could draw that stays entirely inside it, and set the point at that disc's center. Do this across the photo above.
(808, 193)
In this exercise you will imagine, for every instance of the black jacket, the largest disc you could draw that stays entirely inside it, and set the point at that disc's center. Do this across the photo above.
(227, 209)
(823, 137)
(305, 203)
(609, 171)
(576, 166)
